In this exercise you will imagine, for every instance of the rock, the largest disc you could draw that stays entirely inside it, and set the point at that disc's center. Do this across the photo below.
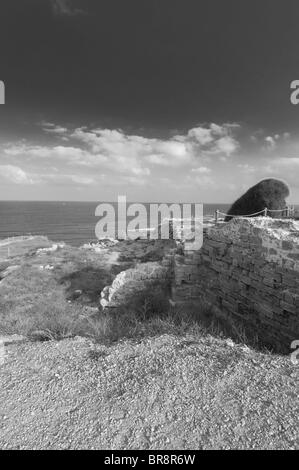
(130, 283)
(48, 267)
(50, 249)
(269, 193)
(100, 245)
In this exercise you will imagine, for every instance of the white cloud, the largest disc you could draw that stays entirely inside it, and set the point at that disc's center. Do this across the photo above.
(129, 154)
(273, 141)
(15, 174)
(124, 158)
(64, 179)
(63, 153)
(180, 150)
(180, 166)
(246, 168)
(53, 129)
(227, 145)
(201, 135)
(270, 143)
(201, 170)
(211, 140)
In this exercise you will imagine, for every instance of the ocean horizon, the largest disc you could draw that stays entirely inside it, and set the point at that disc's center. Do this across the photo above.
(72, 222)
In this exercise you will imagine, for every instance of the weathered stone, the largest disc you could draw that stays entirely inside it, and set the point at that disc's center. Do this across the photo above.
(250, 270)
(134, 281)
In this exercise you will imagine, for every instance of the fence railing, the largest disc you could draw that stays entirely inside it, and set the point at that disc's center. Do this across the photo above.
(287, 212)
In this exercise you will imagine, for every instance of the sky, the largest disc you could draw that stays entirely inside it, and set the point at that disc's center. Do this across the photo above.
(162, 101)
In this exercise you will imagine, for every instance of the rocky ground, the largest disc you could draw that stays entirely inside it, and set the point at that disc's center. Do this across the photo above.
(186, 389)
(165, 392)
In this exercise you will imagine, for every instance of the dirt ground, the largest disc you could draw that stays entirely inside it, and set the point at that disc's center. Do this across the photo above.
(165, 392)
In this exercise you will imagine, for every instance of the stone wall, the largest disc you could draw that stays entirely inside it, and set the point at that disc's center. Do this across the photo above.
(248, 270)
(130, 283)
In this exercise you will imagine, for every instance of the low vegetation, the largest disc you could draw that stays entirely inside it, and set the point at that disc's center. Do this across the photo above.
(56, 296)
(53, 295)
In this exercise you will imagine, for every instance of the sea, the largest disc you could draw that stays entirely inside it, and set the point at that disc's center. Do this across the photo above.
(70, 222)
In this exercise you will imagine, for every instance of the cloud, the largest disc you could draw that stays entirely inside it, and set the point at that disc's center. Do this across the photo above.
(59, 152)
(270, 143)
(201, 170)
(227, 145)
(246, 168)
(201, 181)
(178, 151)
(85, 155)
(211, 140)
(202, 160)
(68, 179)
(52, 128)
(129, 154)
(15, 174)
(66, 8)
(18, 176)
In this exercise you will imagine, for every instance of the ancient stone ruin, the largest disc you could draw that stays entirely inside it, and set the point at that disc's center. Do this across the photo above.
(247, 270)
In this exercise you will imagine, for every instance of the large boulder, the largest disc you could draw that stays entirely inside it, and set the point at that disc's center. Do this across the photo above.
(270, 193)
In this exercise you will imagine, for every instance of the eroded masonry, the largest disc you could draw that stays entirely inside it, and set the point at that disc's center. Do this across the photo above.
(247, 270)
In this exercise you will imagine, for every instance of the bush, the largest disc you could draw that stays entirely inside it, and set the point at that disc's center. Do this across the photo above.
(269, 193)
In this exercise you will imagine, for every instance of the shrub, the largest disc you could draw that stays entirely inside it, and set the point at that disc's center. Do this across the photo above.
(269, 193)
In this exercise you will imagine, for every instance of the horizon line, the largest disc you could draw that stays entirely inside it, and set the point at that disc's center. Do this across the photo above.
(109, 202)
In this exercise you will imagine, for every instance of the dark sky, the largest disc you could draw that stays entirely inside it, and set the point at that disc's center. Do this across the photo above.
(153, 63)
(156, 68)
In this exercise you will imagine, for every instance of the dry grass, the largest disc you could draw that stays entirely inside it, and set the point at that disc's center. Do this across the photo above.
(35, 303)
(45, 304)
